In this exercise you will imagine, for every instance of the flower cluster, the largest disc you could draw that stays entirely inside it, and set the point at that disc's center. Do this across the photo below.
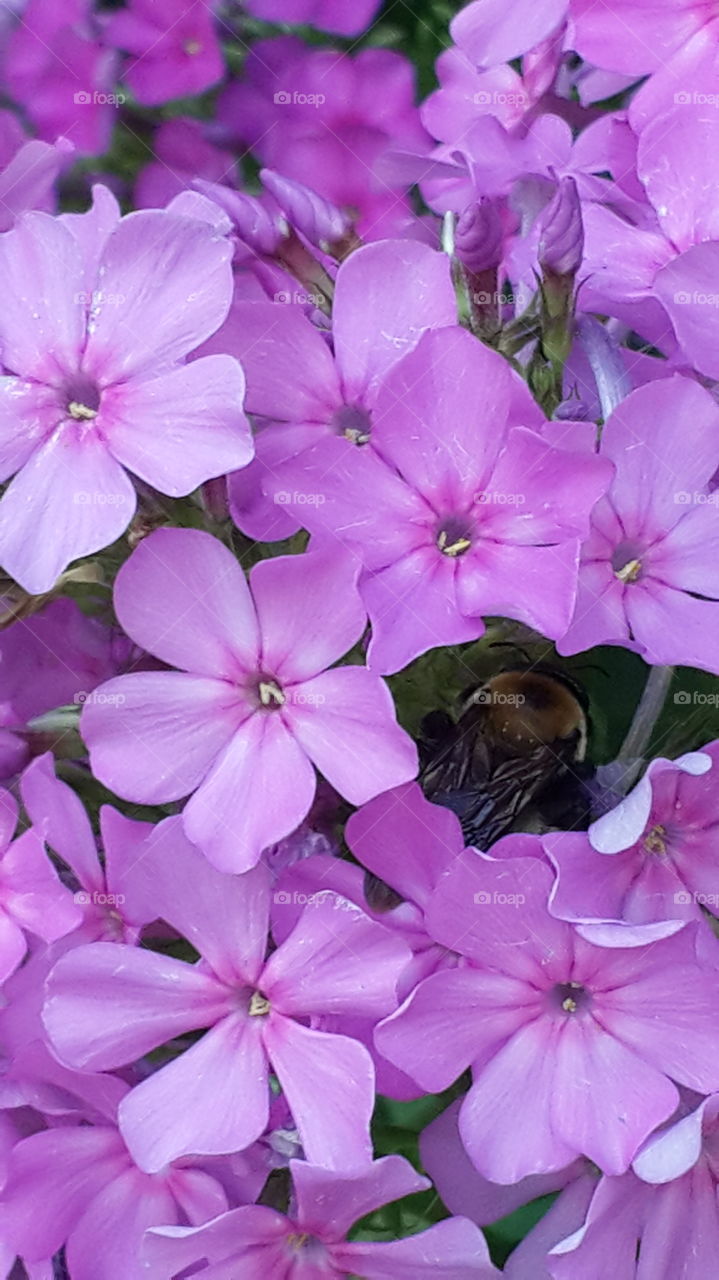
(352, 905)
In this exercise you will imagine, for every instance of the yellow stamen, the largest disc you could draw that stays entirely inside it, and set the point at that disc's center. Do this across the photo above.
(630, 572)
(193, 47)
(297, 1242)
(81, 411)
(355, 436)
(270, 692)
(259, 1005)
(655, 842)
(569, 1005)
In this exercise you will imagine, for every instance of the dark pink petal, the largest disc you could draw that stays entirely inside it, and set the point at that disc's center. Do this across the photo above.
(606, 1100)
(106, 1243)
(61, 1170)
(13, 945)
(330, 1202)
(228, 816)
(451, 1020)
(489, 33)
(599, 614)
(673, 626)
(346, 723)
(551, 491)
(70, 499)
(328, 1082)
(520, 1080)
(183, 597)
(684, 287)
(108, 1003)
(309, 610)
(244, 1244)
(31, 891)
(153, 736)
(336, 960)
(405, 840)
(124, 843)
(386, 295)
(213, 1099)
(451, 1250)
(184, 427)
(291, 376)
(192, 264)
(42, 323)
(497, 578)
(688, 556)
(413, 607)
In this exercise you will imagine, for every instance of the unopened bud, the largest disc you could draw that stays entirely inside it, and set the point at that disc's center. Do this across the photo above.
(317, 219)
(479, 237)
(561, 234)
(261, 230)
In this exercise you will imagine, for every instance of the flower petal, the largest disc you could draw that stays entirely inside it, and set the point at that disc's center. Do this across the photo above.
(43, 318)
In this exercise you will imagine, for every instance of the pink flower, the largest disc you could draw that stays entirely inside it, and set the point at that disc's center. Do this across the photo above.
(342, 17)
(253, 706)
(32, 899)
(98, 315)
(489, 32)
(182, 153)
(654, 857)
(580, 1044)
(176, 50)
(56, 68)
(459, 510)
(311, 1240)
(648, 575)
(107, 1004)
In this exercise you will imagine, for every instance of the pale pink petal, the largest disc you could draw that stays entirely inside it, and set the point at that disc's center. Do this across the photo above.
(310, 611)
(450, 1250)
(153, 736)
(108, 1003)
(336, 960)
(106, 1242)
(346, 723)
(229, 816)
(141, 325)
(413, 607)
(386, 294)
(245, 1244)
(32, 893)
(58, 815)
(183, 597)
(489, 33)
(405, 840)
(181, 428)
(29, 411)
(328, 1082)
(70, 499)
(213, 1099)
(323, 1197)
(497, 578)
(42, 322)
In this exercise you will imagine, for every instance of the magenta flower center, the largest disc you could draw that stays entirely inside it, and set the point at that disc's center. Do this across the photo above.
(353, 422)
(454, 536)
(626, 563)
(82, 399)
(570, 997)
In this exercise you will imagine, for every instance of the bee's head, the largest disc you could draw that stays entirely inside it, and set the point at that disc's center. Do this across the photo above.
(525, 705)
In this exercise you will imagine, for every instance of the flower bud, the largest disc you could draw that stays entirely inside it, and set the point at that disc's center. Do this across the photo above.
(317, 219)
(561, 233)
(261, 230)
(479, 237)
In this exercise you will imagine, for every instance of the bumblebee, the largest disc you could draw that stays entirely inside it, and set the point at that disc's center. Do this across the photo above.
(515, 759)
